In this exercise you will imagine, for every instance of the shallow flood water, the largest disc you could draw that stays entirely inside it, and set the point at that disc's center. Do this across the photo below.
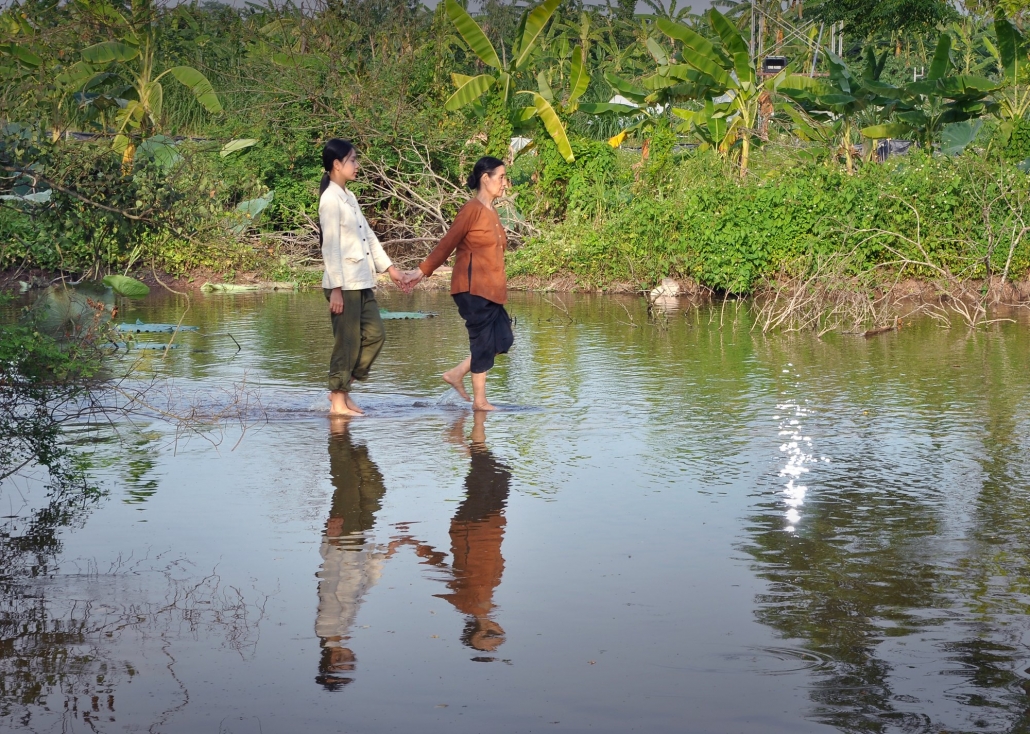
(670, 527)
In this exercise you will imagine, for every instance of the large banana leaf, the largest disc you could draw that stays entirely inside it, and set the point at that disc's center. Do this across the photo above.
(553, 125)
(954, 87)
(108, 51)
(78, 75)
(472, 34)
(806, 128)
(628, 90)
(1010, 44)
(890, 130)
(236, 145)
(698, 51)
(504, 81)
(579, 76)
(840, 74)
(21, 54)
(660, 55)
(798, 85)
(468, 92)
(544, 87)
(522, 115)
(532, 27)
(153, 99)
(837, 100)
(874, 66)
(604, 108)
(199, 85)
(882, 89)
(734, 43)
(941, 58)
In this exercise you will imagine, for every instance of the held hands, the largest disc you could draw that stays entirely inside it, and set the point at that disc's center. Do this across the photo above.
(398, 278)
(406, 281)
(411, 279)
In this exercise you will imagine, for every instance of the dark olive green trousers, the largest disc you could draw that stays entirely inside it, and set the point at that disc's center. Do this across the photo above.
(357, 338)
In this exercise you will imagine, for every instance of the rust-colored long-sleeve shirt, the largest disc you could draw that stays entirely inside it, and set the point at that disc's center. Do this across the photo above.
(478, 238)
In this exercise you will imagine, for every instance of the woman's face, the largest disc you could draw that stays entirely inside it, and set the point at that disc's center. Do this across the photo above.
(348, 167)
(495, 182)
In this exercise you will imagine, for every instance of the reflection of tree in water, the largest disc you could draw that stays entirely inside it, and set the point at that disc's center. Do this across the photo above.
(994, 578)
(351, 563)
(836, 582)
(59, 633)
(68, 644)
(874, 566)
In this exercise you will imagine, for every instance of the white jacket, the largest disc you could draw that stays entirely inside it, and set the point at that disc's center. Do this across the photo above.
(350, 249)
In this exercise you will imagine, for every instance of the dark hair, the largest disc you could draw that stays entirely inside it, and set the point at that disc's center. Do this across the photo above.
(486, 164)
(336, 149)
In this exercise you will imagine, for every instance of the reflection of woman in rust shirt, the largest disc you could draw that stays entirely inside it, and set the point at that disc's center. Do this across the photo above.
(477, 530)
(478, 283)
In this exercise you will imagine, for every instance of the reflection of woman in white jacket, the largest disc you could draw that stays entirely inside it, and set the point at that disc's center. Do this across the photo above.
(351, 560)
(352, 256)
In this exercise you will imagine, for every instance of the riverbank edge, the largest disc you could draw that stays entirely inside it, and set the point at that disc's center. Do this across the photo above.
(20, 280)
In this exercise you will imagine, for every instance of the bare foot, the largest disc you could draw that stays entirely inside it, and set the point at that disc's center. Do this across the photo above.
(351, 406)
(339, 405)
(455, 380)
(482, 406)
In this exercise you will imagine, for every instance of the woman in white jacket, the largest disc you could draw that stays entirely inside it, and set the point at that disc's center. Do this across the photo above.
(352, 256)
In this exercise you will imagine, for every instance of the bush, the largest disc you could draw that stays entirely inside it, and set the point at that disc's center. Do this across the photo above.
(729, 235)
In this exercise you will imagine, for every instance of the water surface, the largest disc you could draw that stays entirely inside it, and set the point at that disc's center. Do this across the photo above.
(673, 526)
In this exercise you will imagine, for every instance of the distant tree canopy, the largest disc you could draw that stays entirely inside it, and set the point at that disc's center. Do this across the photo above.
(866, 17)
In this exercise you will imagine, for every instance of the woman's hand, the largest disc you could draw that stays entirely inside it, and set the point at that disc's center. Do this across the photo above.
(336, 301)
(412, 278)
(398, 278)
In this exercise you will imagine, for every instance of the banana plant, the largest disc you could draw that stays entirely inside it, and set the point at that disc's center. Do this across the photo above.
(834, 103)
(729, 77)
(1012, 51)
(501, 81)
(942, 98)
(131, 59)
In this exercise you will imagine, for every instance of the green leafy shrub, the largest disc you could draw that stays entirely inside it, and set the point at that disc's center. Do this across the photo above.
(729, 235)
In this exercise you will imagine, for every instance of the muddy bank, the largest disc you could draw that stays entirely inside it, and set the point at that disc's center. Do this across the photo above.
(913, 290)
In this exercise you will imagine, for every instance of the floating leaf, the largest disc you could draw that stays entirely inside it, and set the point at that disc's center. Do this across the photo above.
(384, 314)
(140, 328)
(123, 285)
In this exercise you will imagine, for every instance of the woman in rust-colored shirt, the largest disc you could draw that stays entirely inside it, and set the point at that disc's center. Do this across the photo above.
(478, 283)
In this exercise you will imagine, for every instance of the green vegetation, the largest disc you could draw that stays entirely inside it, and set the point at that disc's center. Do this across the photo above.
(140, 136)
(730, 236)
